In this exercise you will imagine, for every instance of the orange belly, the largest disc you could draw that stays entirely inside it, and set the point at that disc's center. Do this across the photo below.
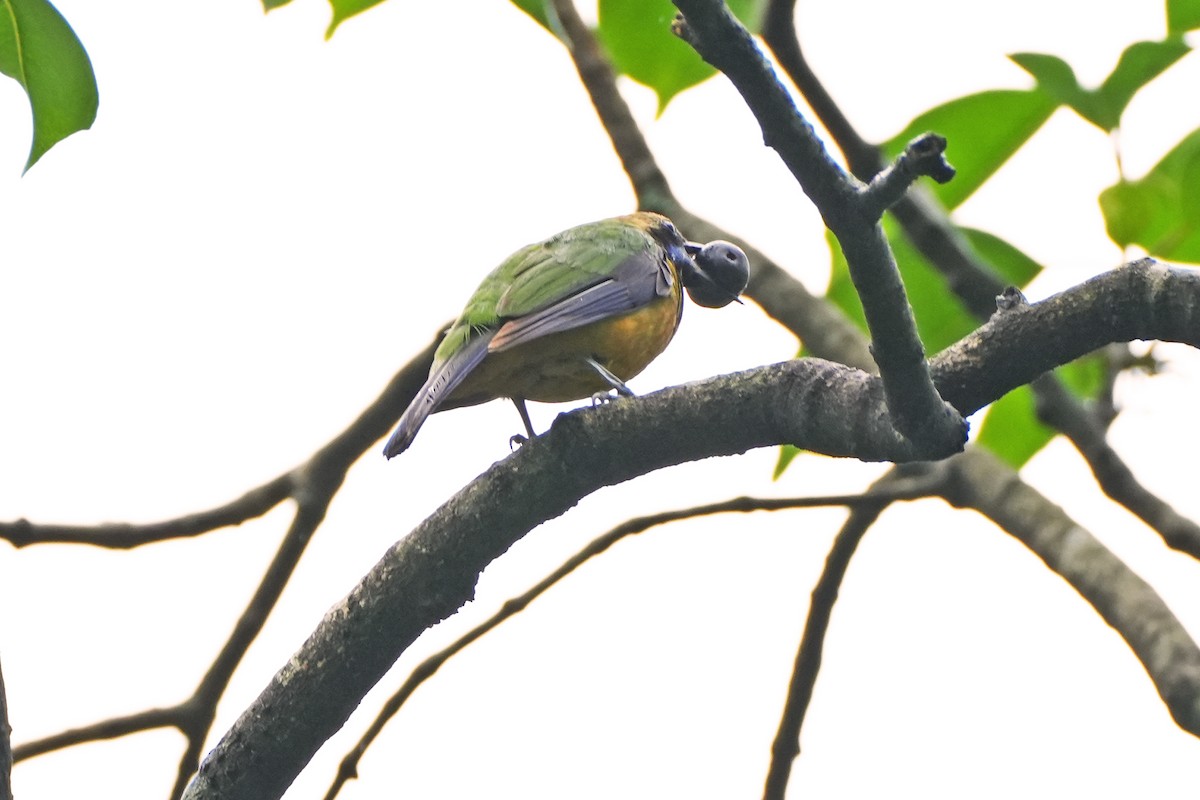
(552, 369)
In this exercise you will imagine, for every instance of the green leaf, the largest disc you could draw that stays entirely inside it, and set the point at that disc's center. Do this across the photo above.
(1139, 64)
(1161, 211)
(1053, 75)
(39, 50)
(538, 10)
(941, 317)
(1085, 376)
(841, 291)
(787, 453)
(983, 130)
(1011, 429)
(1057, 79)
(271, 5)
(1012, 265)
(637, 36)
(1183, 15)
(344, 10)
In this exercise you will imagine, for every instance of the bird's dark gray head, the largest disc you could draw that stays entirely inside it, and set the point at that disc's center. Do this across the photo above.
(721, 272)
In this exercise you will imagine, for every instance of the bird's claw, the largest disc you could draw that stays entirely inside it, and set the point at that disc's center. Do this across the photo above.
(600, 398)
(517, 440)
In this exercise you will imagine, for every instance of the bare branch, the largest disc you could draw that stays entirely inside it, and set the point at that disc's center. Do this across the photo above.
(779, 33)
(927, 226)
(6, 753)
(924, 156)
(148, 720)
(313, 486)
(311, 511)
(429, 574)
(1124, 600)
(649, 182)
(849, 211)
(786, 745)
(1056, 407)
(336, 455)
(122, 535)
(977, 480)
(902, 489)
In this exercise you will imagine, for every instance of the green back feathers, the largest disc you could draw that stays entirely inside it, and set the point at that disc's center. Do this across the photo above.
(541, 274)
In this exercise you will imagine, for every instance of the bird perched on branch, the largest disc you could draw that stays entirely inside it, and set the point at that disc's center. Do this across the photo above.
(573, 316)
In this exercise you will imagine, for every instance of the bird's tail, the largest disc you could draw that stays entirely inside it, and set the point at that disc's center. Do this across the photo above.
(442, 381)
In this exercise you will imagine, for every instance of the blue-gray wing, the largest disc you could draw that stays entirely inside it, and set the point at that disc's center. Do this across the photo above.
(443, 380)
(636, 282)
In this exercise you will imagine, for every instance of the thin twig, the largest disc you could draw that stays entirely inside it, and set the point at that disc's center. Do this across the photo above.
(912, 488)
(924, 156)
(312, 486)
(114, 728)
(807, 666)
(122, 535)
(649, 183)
(309, 514)
(1055, 408)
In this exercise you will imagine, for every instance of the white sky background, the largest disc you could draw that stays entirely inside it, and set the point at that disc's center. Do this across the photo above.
(262, 226)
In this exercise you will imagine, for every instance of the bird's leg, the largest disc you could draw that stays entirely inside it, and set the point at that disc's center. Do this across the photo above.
(517, 439)
(609, 378)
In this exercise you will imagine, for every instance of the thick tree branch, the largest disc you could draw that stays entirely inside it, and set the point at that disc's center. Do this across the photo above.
(849, 210)
(6, 753)
(1124, 600)
(779, 34)
(405, 561)
(1140, 301)
(1112, 474)
(430, 573)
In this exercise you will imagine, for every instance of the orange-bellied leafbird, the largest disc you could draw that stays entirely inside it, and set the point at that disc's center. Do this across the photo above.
(577, 314)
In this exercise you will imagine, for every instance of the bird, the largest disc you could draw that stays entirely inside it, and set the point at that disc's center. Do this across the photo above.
(573, 316)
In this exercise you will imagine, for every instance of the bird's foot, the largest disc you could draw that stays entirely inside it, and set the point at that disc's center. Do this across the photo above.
(609, 378)
(601, 398)
(517, 440)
